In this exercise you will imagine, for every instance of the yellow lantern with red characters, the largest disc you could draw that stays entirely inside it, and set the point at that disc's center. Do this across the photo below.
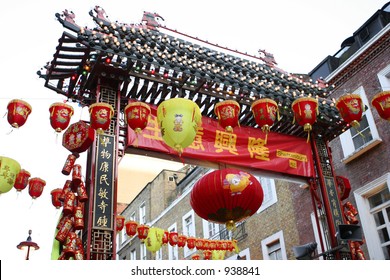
(351, 108)
(137, 115)
(36, 186)
(153, 241)
(227, 112)
(305, 112)
(100, 116)
(9, 169)
(60, 115)
(381, 102)
(179, 119)
(265, 112)
(21, 180)
(18, 112)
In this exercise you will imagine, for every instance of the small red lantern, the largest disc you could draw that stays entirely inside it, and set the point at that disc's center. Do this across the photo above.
(195, 257)
(36, 187)
(69, 203)
(82, 195)
(351, 108)
(213, 245)
(343, 186)
(173, 238)
(142, 231)
(69, 247)
(120, 222)
(199, 243)
(18, 112)
(165, 238)
(76, 176)
(226, 196)
(181, 240)
(78, 137)
(100, 114)
(60, 115)
(65, 226)
(305, 112)
(137, 115)
(55, 195)
(191, 242)
(78, 216)
(131, 228)
(265, 112)
(227, 112)
(68, 165)
(381, 102)
(207, 255)
(21, 180)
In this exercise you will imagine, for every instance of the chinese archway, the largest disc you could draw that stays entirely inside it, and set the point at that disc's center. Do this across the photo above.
(117, 63)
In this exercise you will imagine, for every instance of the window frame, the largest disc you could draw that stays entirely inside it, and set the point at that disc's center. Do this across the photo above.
(278, 236)
(269, 189)
(173, 249)
(189, 214)
(142, 213)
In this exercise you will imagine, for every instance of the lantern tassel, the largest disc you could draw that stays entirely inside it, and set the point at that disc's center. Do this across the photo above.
(356, 125)
(230, 225)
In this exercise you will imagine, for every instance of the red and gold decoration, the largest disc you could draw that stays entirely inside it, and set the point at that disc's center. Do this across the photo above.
(131, 228)
(9, 169)
(78, 137)
(120, 222)
(351, 109)
(191, 242)
(100, 116)
(181, 240)
(60, 115)
(226, 196)
(305, 112)
(179, 120)
(227, 112)
(265, 112)
(68, 165)
(142, 231)
(137, 115)
(21, 180)
(55, 197)
(18, 112)
(381, 102)
(36, 186)
(173, 238)
(343, 187)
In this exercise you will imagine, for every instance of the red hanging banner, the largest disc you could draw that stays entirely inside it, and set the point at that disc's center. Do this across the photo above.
(246, 146)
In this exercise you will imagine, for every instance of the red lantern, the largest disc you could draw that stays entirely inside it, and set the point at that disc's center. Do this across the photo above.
(173, 238)
(18, 112)
(344, 187)
(137, 115)
(381, 102)
(165, 238)
(60, 114)
(55, 195)
(70, 245)
(142, 231)
(207, 255)
(305, 112)
(199, 244)
(195, 257)
(227, 112)
(100, 116)
(78, 218)
(68, 165)
(21, 180)
(181, 240)
(120, 222)
(213, 245)
(265, 112)
(226, 196)
(82, 195)
(78, 137)
(131, 228)
(36, 187)
(76, 176)
(351, 108)
(191, 242)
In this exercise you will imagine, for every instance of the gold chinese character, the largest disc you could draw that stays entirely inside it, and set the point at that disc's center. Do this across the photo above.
(153, 129)
(104, 166)
(105, 154)
(225, 141)
(102, 221)
(103, 193)
(257, 148)
(102, 205)
(197, 143)
(104, 179)
(105, 141)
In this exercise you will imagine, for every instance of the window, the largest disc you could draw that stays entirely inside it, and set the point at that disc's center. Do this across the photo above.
(210, 229)
(173, 253)
(159, 255)
(188, 229)
(123, 235)
(373, 205)
(269, 191)
(273, 247)
(133, 255)
(142, 249)
(355, 142)
(142, 214)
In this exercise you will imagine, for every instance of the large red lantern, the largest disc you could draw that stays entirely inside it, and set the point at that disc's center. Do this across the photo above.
(36, 186)
(305, 112)
(351, 108)
(137, 115)
(18, 112)
(131, 228)
(226, 196)
(265, 112)
(55, 197)
(120, 222)
(78, 137)
(227, 112)
(60, 115)
(100, 116)
(381, 102)
(21, 180)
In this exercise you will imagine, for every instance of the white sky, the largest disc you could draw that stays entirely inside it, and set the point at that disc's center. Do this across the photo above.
(300, 34)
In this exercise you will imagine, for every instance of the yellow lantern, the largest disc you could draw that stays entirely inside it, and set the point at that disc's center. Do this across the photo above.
(179, 119)
(9, 168)
(154, 240)
(218, 255)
